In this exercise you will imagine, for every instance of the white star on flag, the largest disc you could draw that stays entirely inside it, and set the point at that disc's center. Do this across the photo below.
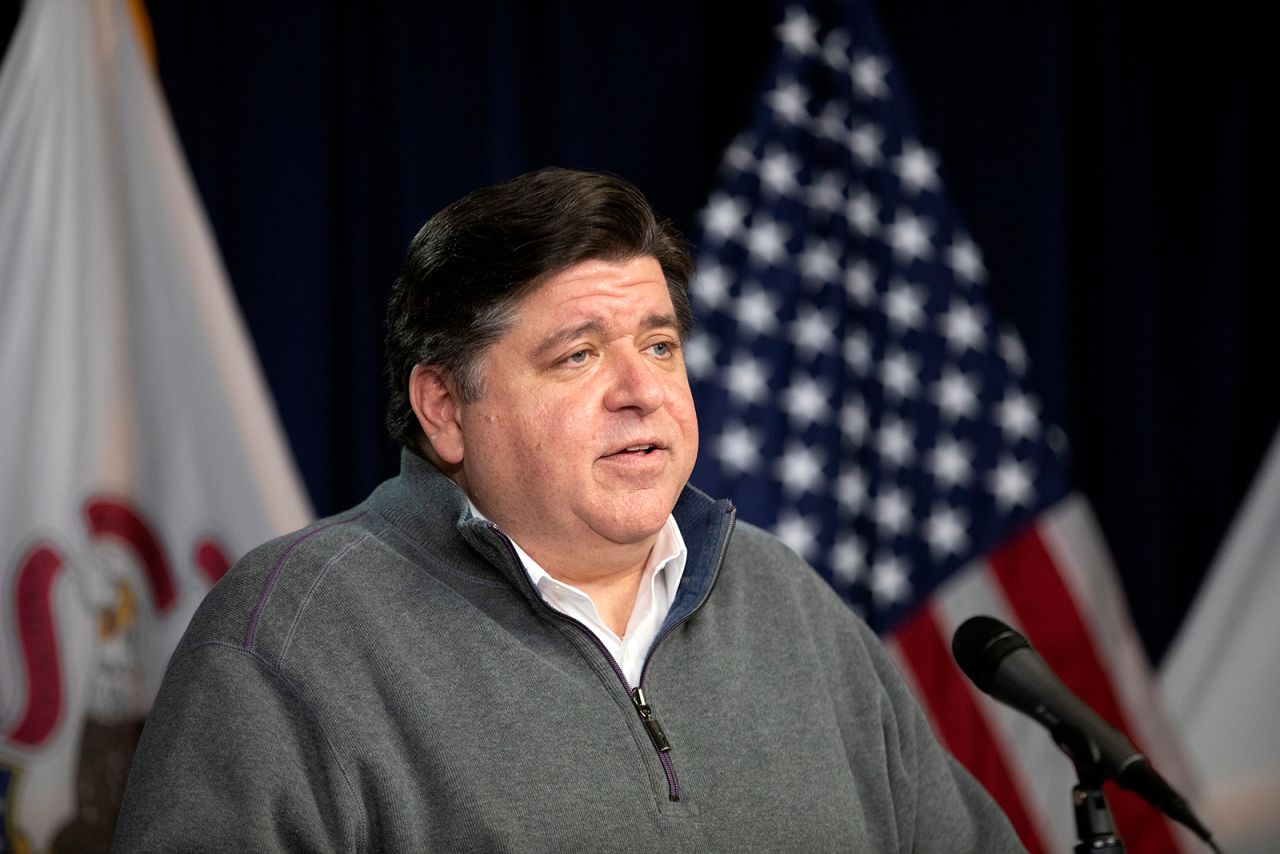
(766, 240)
(757, 310)
(819, 262)
(825, 194)
(1016, 415)
(951, 463)
(710, 290)
(899, 373)
(964, 258)
(896, 443)
(917, 168)
(1010, 483)
(857, 351)
(747, 379)
(800, 534)
(893, 511)
(863, 213)
(788, 100)
(831, 123)
(1011, 350)
(739, 448)
(851, 490)
(869, 74)
(962, 327)
(740, 156)
(835, 49)
(910, 236)
(956, 395)
(904, 305)
(806, 401)
(799, 469)
(813, 331)
(778, 170)
(848, 559)
(945, 532)
(853, 421)
(723, 217)
(799, 31)
(860, 281)
(865, 142)
(699, 356)
(889, 580)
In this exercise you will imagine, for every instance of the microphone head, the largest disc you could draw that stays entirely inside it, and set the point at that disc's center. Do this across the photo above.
(980, 644)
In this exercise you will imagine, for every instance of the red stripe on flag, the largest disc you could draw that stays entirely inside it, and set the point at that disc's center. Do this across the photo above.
(958, 720)
(38, 634)
(1048, 615)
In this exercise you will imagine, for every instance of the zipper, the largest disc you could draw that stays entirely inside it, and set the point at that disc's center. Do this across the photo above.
(660, 742)
(650, 721)
(638, 696)
(647, 717)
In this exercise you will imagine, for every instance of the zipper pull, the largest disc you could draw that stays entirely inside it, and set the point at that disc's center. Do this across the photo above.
(650, 721)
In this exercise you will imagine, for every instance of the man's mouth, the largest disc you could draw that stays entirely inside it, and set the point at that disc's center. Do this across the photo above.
(635, 450)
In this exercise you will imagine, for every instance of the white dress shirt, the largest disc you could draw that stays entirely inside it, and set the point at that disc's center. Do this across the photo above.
(657, 590)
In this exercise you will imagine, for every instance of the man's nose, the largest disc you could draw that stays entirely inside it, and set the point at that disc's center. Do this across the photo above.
(634, 383)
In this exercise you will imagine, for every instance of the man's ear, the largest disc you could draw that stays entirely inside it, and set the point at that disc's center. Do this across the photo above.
(436, 405)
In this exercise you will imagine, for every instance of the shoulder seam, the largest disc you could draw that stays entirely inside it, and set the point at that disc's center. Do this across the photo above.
(306, 600)
(274, 574)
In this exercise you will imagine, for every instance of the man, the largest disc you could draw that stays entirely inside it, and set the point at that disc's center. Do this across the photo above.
(538, 637)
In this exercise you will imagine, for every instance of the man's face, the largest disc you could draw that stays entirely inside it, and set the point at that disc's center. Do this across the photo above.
(585, 432)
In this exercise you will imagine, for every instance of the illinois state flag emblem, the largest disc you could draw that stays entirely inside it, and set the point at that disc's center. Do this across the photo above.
(139, 450)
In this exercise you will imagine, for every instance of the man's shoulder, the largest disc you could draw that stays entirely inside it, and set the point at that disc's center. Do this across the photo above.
(764, 558)
(314, 546)
(271, 585)
(764, 576)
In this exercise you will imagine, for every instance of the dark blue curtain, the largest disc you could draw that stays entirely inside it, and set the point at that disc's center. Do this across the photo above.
(1116, 167)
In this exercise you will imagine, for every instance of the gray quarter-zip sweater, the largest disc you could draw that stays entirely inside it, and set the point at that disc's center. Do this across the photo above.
(388, 679)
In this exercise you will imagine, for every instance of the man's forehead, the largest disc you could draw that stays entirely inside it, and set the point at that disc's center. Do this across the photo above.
(600, 291)
(640, 269)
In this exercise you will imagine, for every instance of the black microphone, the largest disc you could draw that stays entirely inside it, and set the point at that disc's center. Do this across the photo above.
(1001, 663)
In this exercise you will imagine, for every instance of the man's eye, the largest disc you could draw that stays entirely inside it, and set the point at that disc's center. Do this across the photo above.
(577, 358)
(662, 348)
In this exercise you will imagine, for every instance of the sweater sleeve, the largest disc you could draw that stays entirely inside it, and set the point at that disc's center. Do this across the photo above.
(232, 758)
(938, 804)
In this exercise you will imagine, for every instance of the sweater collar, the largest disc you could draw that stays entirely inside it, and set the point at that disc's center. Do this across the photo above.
(424, 503)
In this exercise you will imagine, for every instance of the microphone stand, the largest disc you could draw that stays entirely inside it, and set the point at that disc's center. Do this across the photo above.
(1094, 826)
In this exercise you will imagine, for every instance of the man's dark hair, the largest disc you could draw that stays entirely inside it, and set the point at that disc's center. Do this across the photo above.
(469, 266)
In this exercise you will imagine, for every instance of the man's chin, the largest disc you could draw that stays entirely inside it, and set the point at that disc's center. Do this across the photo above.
(638, 526)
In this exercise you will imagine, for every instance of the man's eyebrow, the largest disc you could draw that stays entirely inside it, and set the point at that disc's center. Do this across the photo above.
(594, 327)
(563, 336)
(659, 321)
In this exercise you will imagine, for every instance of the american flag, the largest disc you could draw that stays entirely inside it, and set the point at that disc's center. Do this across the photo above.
(858, 398)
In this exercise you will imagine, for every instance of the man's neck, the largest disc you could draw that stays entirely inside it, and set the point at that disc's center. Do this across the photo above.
(614, 595)
(610, 575)
(612, 581)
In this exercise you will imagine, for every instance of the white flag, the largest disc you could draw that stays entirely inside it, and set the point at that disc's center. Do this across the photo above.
(139, 450)
(1221, 679)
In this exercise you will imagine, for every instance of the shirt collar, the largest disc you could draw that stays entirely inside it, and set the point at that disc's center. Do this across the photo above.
(668, 555)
